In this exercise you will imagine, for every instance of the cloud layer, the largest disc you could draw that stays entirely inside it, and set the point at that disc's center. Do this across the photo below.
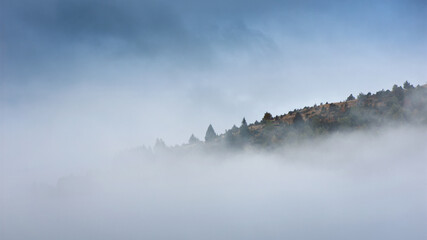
(353, 186)
(83, 80)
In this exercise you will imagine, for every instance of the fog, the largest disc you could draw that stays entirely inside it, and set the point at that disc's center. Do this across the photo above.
(85, 85)
(359, 185)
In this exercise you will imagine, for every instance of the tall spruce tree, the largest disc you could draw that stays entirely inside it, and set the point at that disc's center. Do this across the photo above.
(244, 129)
(210, 134)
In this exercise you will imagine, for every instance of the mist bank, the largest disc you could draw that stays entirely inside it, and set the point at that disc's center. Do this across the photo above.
(359, 185)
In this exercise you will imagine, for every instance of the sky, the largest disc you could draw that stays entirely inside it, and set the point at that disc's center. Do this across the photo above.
(133, 71)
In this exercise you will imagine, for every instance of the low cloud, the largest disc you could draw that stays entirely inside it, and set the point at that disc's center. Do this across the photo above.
(366, 185)
(83, 81)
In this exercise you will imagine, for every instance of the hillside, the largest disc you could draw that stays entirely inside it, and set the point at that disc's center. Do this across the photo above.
(407, 104)
(401, 105)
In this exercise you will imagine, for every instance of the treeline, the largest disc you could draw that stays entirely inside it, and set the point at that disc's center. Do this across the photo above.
(400, 104)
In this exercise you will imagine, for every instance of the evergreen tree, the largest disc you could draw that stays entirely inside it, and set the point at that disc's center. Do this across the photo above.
(267, 117)
(407, 85)
(244, 123)
(350, 98)
(210, 134)
(230, 138)
(234, 129)
(398, 92)
(160, 145)
(193, 140)
(244, 129)
(361, 99)
(298, 118)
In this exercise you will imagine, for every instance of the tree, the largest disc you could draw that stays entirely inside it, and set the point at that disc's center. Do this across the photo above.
(210, 134)
(298, 118)
(160, 145)
(398, 92)
(230, 138)
(407, 85)
(244, 129)
(193, 140)
(244, 123)
(234, 128)
(361, 99)
(267, 117)
(361, 96)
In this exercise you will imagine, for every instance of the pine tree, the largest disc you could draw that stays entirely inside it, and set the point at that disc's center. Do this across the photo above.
(160, 145)
(350, 98)
(407, 85)
(244, 123)
(210, 134)
(234, 129)
(267, 117)
(298, 118)
(398, 92)
(244, 129)
(193, 140)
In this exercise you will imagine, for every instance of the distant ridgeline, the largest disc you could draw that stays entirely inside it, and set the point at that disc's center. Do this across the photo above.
(407, 104)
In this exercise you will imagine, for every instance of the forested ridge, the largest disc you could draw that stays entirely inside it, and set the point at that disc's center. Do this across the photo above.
(405, 104)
